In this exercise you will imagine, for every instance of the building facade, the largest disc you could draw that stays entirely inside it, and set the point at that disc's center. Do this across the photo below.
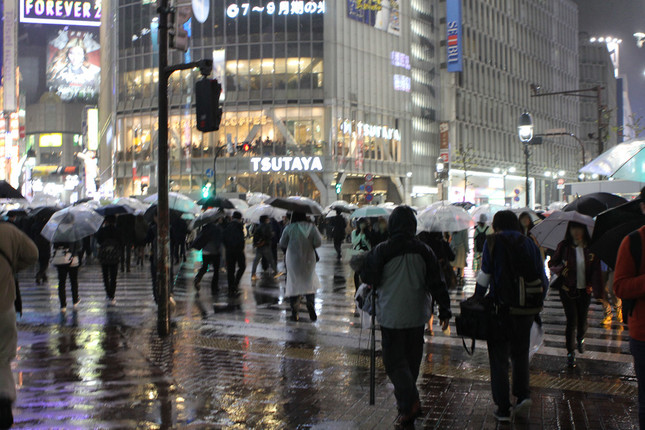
(508, 46)
(315, 94)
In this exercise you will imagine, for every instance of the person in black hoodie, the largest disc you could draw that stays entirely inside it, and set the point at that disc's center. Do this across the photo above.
(233, 239)
(108, 238)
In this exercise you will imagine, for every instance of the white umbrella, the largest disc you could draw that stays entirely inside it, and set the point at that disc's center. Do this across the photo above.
(208, 216)
(256, 198)
(132, 203)
(371, 212)
(72, 224)
(444, 219)
(552, 230)
(176, 201)
(254, 213)
(239, 204)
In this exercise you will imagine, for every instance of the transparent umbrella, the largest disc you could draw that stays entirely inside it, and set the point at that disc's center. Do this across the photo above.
(254, 213)
(72, 224)
(134, 204)
(371, 212)
(488, 211)
(550, 232)
(624, 161)
(444, 218)
(208, 216)
(256, 198)
(176, 201)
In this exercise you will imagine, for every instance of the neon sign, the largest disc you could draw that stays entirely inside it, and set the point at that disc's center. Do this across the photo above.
(399, 59)
(294, 7)
(402, 83)
(61, 12)
(286, 164)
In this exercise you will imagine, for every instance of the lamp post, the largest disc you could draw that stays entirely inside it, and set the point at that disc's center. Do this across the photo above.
(525, 132)
(440, 168)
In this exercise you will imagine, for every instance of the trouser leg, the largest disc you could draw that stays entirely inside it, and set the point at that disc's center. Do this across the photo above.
(106, 279)
(520, 343)
(637, 348)
(498, 355)
(571, 313)
(113, 271)
(62, 277)
(398, 368)
(268, 255)
(241, 267)
(202, 270)
(73, 279)
(414, 348)
(215, 261)
(337, 246)
(231, 261)
(153, 275)
(582, 304)
(256, 260)
(357, 281)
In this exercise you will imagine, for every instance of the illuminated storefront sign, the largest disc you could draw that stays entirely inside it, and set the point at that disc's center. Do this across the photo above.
(297, 7)
(50, 140)
(286, 164)
(61, 12)
(92, 129)
(234, 121)
(399, 59)
(369, 130)
(402, 83)
(384, 15)
(453, 36)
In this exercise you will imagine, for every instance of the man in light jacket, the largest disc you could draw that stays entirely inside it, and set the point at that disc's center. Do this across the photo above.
(17, 252)
(404, 272)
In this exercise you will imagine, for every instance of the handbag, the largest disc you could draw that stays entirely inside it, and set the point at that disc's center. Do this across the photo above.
(364, 298)
(479, 319)
(62, 257)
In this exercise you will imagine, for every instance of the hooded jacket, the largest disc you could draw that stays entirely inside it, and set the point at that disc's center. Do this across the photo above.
(404, 271)
(233, 237)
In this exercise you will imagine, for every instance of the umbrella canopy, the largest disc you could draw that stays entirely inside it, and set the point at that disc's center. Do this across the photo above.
(132, 203)
(594, 203)
(445, 218)
(624, 161)
(44, 200)
(370, 212)
(149, 214)
(256, 198)
(42, 214)
(254, 213)
(614, 217)
(332, 214)
(9, 192)
(488, 211)
(342, 206)
(550, 232)
(72, 224)
(534, 216)
(557, 206)
(239, 204)
(176, 201)
(466, 205)
(296, 204)
(208, 216)
(215, 202)
(114, 210)
(606, 245)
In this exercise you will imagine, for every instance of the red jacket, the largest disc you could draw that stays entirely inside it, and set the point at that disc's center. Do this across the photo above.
(629, 283)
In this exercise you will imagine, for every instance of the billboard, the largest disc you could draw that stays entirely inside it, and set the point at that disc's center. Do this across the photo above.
(61, 12)
(454, 40)
(383, 15)
(73, 66)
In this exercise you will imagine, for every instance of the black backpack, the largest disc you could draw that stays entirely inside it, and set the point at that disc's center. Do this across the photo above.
(480, 240)
(520, 290)
(636, 249)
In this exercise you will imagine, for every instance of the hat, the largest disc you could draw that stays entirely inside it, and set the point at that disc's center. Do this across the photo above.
(237, 215)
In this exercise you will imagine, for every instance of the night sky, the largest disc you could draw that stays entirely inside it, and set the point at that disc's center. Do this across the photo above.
(620, 19)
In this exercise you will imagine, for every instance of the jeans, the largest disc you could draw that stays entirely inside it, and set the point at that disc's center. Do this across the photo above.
(402, 354)
(109, 278)
(63, 271)
(637, 348)
(235, 258)
(517, 349)
(209, 260)
(266, 253)
(576, 310)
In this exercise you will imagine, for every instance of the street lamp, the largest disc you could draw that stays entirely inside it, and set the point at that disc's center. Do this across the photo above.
(525, 132)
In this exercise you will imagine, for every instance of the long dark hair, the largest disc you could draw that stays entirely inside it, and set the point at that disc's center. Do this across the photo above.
(531, 224)
(569, 239)
(506, 221)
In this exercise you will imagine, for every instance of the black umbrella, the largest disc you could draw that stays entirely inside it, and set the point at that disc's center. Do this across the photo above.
(109, 210)
(83, 200)
(614, 217)
(42, 213)
(341, 208)
(17, 212)
(150, 213)
(216, 202)
(465, 205)
(9, 192)
(594, 203)
(296, 204)
(607, 245)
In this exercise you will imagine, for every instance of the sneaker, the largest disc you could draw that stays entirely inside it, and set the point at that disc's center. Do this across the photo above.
(76, 303)
(312, 313)
(619, 315)
(406, 421)
(502, 416)
(112, 302)
(254, 277)
(523, 407)
(581, 346)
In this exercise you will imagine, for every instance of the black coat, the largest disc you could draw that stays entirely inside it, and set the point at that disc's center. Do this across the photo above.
(233, 237)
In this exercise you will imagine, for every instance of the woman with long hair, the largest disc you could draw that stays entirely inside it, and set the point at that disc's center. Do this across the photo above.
(579, 276)
(527, 224)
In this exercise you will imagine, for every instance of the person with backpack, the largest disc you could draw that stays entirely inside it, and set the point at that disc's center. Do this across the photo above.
(512, 274)
(108, 238)
(66, 259)
(579, 277)
(262, 241)
(629, 285)
(404, 272)
(482, 230)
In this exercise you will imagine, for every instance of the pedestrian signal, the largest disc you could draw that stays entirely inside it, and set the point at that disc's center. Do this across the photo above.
(339, 188)
(209, 112)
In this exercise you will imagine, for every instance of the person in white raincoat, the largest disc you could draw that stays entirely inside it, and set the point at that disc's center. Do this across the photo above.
(300, 239)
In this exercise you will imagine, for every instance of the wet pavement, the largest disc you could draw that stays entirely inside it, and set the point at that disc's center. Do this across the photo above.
(241, 364)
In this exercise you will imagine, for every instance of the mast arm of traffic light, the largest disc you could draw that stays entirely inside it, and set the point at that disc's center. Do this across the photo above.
(204, 66)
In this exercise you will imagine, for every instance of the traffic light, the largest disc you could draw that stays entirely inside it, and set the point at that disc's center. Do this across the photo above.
(209, 112)
(339, 188)
(246, 147)
(180, 27)
(206, 190)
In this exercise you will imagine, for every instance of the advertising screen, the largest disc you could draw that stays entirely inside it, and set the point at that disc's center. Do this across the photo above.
(73, 66)
(383, 15)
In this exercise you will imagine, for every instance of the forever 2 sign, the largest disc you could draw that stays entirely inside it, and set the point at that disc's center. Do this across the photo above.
(61, 12)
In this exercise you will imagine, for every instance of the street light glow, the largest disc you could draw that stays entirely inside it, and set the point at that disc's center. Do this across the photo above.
(547, 174)
(512, 169)
(592, 40)
(601, 39)
(561, 173)
(496, 170)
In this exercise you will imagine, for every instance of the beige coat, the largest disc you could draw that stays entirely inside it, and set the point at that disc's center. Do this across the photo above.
(23, 253)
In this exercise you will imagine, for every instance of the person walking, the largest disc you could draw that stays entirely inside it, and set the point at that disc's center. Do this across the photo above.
(527, 224)
(300, 240)
(234, 243)
(629, 285)
(67, 258)
(44, 252)
(459, 245)
(262, 239)
(338, 233)
(379, 232)
(482, 230)
(402, 272)
(17, 252)
(108, 238)
(360, 244)
(209, 241)
(510, 249)
(580, 276)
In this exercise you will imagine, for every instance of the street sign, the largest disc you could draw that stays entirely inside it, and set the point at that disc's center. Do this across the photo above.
(516, 191)
(210, 173)
(369, 188)
(369, 197)
(361, 187)
(369, 177)
(516, 198)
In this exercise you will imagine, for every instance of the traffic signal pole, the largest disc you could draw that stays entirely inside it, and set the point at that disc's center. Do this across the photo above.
(163, 213)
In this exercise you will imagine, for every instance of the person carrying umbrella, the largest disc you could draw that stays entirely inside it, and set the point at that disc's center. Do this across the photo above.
(234, 242)
(579, 276)
(360, 244)
(300, 240)
(262, 239)
(479, 239)
(108, 238)
(66, 259)
(459, 245)
(338, 232)
(402, 271)
(209, 241)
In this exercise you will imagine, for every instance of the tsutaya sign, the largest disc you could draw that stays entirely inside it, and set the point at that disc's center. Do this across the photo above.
(369, 130)
(286, 164)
